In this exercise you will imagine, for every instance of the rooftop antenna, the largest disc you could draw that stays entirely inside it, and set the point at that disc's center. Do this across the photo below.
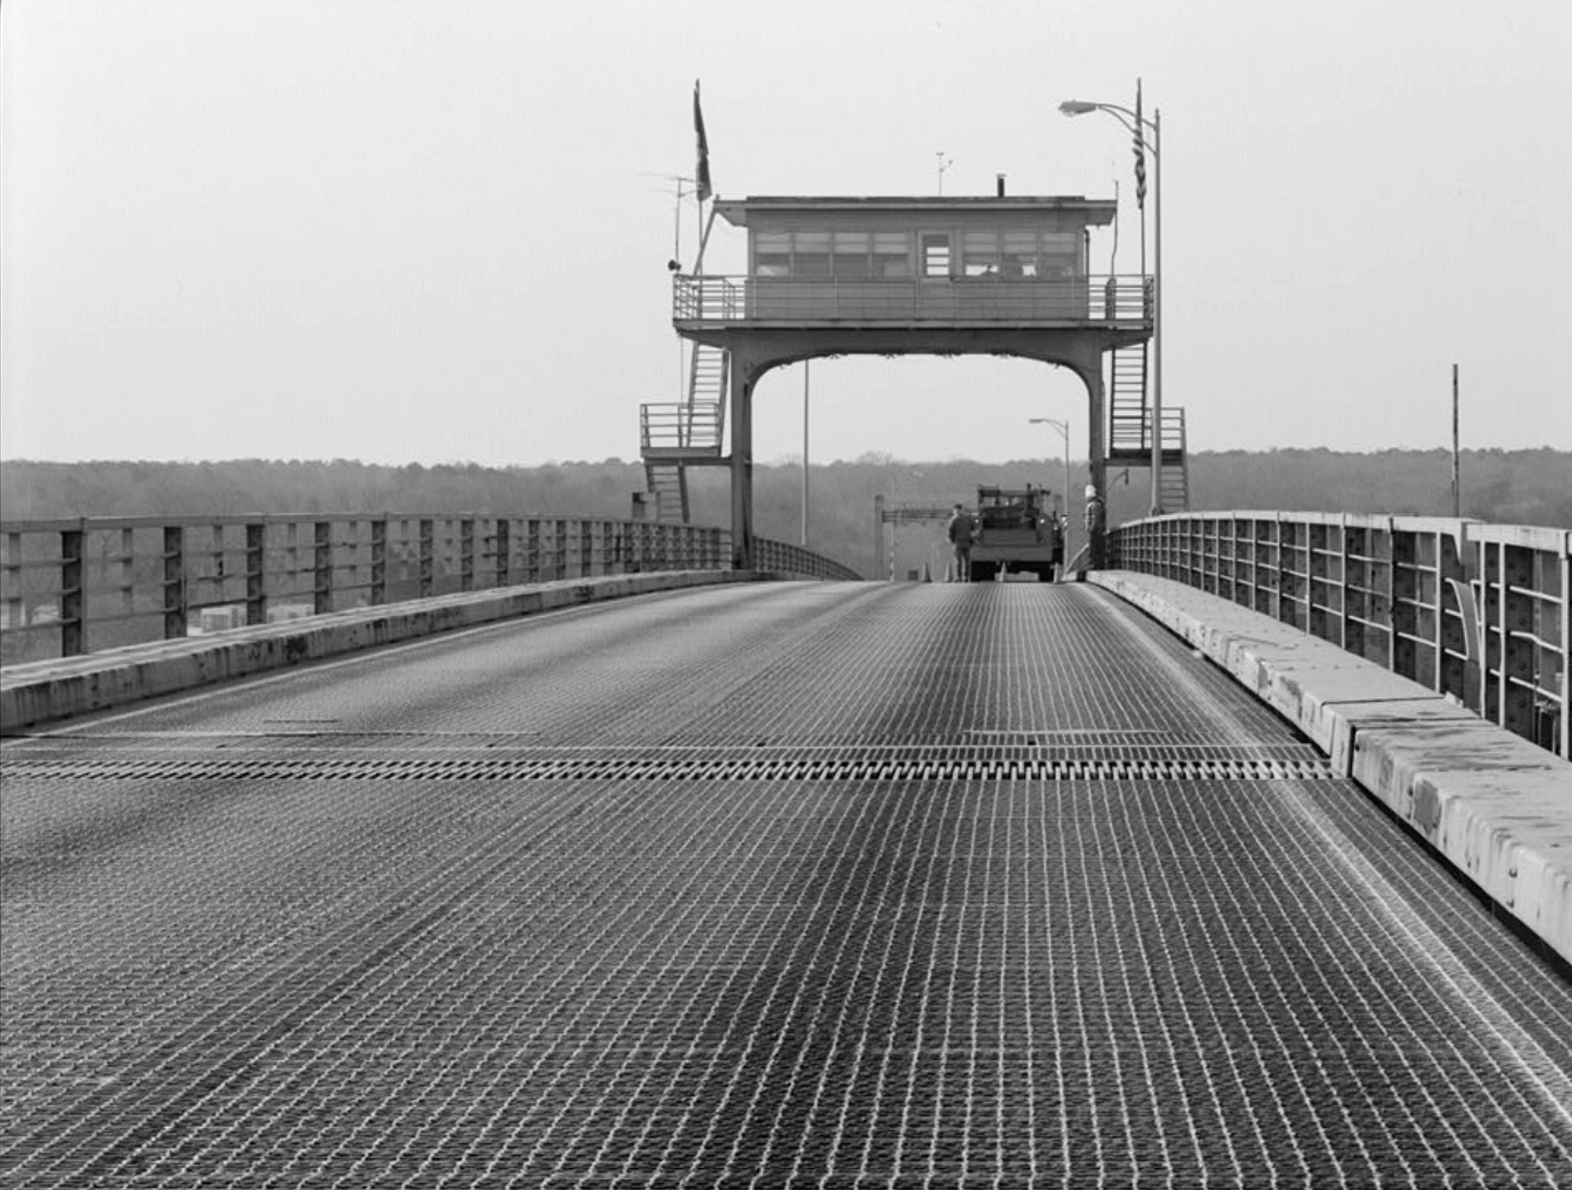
(684, 187)
(944, 164)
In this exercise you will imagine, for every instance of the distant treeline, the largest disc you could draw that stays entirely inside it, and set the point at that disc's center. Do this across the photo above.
(1529, 487)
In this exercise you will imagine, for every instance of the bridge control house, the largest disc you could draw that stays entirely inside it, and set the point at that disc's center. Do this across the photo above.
(999, 275)
(895, 259)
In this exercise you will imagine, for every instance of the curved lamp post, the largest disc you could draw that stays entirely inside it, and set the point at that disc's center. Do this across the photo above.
(1138, 125)
(1064, 432)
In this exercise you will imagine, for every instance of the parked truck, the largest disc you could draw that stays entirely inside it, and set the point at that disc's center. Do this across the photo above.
(1018, 532)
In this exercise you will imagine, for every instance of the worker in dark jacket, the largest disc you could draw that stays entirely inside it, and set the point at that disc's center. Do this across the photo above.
(962, 529)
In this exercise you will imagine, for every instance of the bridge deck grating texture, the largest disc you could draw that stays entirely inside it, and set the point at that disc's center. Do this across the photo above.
(1119, 930)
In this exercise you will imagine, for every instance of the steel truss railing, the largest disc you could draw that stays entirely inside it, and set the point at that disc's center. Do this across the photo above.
(73, 586)
(1479, 612)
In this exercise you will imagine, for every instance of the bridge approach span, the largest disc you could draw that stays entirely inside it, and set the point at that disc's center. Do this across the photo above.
(809, 883)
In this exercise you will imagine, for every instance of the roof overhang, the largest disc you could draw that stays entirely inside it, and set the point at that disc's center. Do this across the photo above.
(1095, 211)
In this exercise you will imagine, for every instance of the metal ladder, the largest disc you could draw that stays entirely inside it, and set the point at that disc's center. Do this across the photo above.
(1127, 416)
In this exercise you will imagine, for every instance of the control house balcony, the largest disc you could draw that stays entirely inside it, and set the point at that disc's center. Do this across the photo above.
(717, 302)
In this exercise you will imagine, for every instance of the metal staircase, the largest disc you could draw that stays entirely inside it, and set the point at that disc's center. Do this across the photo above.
(675, 434)
(1130, 427)
(1174, 482)
(1127, 417)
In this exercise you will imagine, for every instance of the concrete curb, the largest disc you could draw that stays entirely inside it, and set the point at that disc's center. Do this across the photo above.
(43, 691)
(1495, 805)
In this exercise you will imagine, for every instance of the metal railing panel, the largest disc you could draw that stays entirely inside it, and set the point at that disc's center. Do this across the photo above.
(1482, 613)
(74, 586)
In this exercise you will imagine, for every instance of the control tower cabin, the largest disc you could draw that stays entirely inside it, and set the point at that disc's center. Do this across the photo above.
(897, 276)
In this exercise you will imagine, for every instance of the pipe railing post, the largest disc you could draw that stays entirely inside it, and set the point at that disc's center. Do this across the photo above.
(174, 582)
(127, 569)
(1517, 680)
(256, 572)
(428, 556)
(322, 568)
(379, 560)
(502, 547)
(1404, 616)
(466, 554)
(73, 597)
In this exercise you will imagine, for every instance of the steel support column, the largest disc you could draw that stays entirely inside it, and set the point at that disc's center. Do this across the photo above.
(1097, 463)
(743, 375)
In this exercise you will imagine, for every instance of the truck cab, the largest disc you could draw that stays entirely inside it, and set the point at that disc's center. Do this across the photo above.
(1017, 532)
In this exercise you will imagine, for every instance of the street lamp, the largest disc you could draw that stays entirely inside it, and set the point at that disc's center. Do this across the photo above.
(1064, 432)
(1137, 125)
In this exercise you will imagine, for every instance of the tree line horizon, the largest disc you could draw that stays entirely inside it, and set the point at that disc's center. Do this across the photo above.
(1522, 487)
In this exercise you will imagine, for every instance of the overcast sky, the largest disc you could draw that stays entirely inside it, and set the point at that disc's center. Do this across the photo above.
(437, 230)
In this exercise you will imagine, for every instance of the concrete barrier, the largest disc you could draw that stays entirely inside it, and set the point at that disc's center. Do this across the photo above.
(44, 691)
(1497, 806)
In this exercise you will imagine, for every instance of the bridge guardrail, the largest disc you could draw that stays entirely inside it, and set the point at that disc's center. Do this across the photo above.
(1476, 611)
(794, 559)
(74, 586)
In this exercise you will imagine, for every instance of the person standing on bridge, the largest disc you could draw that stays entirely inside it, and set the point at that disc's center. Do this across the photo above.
(1096, 523)
(962, 529)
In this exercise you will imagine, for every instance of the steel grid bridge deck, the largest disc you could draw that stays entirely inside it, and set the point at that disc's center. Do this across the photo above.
(786, 885)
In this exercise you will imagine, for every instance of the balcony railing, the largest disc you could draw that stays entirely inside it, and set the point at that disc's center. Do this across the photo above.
(74, 586)
(1480, 612)
(969, 300)
(680, 426)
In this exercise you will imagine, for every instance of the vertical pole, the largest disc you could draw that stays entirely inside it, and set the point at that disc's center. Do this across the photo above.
(878, 532)
(1064, 498)
(1097, 466)
(742, 549)
(1565, 563)
(805, 453)
(1157, 317)
(1457, 491)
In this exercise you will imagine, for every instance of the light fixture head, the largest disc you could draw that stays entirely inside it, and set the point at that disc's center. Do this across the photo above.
(1076, 107)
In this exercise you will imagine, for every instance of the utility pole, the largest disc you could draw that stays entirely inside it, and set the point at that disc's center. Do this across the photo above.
(805, 453)
(1457, 487)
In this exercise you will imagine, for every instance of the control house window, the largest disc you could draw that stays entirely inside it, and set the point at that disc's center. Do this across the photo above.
(851, 254)
(892, 254)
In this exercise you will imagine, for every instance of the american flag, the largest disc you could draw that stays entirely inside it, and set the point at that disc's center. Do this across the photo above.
(1140, 148)
(702, 172)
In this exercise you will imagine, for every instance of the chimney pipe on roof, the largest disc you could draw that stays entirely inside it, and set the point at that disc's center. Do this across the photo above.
(1001, 184)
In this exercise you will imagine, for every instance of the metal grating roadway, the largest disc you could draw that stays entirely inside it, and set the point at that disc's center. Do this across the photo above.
(799, 885)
